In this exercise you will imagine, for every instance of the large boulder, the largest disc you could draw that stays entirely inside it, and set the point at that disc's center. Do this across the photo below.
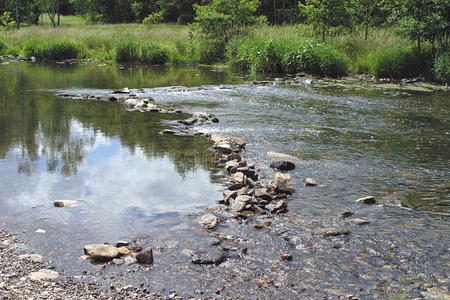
(235, 143)
(101, 252)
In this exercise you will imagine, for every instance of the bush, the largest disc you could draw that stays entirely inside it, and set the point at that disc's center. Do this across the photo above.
(441, 67)
(3, 46)
(152, 54)
(211, 51)
(134, 51)
(153, 18)
(267, 58)
(52, 50)
(400, 63)
(128, 51)
(315, 59)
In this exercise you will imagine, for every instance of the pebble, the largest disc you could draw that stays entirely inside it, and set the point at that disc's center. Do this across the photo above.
(367, 200)
(145, 257)
(360, 221)
(44, 274)
(310, 182)
(65, 203)
(209, 221)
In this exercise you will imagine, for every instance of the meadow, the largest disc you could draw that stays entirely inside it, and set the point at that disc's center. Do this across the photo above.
(264, 50)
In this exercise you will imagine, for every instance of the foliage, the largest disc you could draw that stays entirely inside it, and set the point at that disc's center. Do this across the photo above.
(441, 67)
(6, 21)
(128, 51)
(400, 63)
(51, 50)
(3, 46)
(153, 18)
(422, 20)
(328, 15)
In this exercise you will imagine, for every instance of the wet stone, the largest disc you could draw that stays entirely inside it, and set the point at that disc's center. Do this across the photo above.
(277, 207)
(209, 221)
(360, 221)
(117, 261)
(310, 182)
(285, 257)
(101, 252)
(212, 256)
(145, 257)
(367, 200)
(283, 165)
(347, 214)
(282, 183)
(326, 232)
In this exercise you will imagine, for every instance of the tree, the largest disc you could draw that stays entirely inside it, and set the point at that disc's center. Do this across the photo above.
(328, 14)
(369, 13)
(422, 20)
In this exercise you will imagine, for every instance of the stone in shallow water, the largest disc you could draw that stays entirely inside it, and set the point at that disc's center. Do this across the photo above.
(360, 221)
(326, 232)
(283, 165)
(65, 203)
(122, 244)
(309, 182)
(145, 257)
(209, 221)
(367, 200)
(208, 257)
(36, 258)
(101, 252)
(347, 214)
(44, 275)
(282, 183)
(277, 207)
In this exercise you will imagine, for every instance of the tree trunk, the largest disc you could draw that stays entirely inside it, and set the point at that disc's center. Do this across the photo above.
(366, 35)
(57, 11)
(17, 15)
(274, 13)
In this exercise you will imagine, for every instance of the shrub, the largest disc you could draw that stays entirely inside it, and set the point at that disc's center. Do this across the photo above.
(52, 50)
(441, 67)
(153, 18)
(152, 54)
(128, 51)
(400, 63)
(3, 46)
(316, 59)
(267, 58)
(211, 50)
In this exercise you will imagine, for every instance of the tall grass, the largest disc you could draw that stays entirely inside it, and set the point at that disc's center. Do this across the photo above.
(135, 51)
(441, 67)
(52, 50)
(3, 47)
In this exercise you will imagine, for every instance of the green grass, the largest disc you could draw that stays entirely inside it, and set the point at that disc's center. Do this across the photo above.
(52, 50)
(267, 50)
(3, 47)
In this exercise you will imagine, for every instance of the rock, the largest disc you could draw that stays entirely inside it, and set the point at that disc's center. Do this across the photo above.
(360, 221)
(235, 186)
(178, 111)
(283, 165)
(281, 155)
(122, 244)
(117, 261)
(347, 214)
(436, 294)
(240, 202)
(129, 260)
(326, 232)
(286, 256)
(64, 203)
(223, 148)
(277, 207)
(309, 182)
(44, 275)
(215, 120)
(101, 252)
(188, 122)
(228, 195)
(208, 257)
(282, 183)
(168, 131)
(367, 200)
(201, 115)
(232, 166)
(238, 177)
(35, 258)
(125, 90)
(187, 252)
(262, 194)
(40, 231)
(259, 226)
(219, 138)
(123, 250)
(145, 257)
(209, 221)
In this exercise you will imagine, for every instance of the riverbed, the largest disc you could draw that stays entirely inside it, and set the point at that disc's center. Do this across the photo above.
(132, 183)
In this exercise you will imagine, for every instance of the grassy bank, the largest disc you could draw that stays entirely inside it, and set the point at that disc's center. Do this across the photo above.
(270, 50)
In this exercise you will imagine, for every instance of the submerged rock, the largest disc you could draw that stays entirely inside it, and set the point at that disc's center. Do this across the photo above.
(347, 214)
(283, 165)
(219, 138)
(326, 232)
(360, 221)
(101, 252)
(277, 207)
(208, 257)
(367, 200)
(145, 257)
(209, 221)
